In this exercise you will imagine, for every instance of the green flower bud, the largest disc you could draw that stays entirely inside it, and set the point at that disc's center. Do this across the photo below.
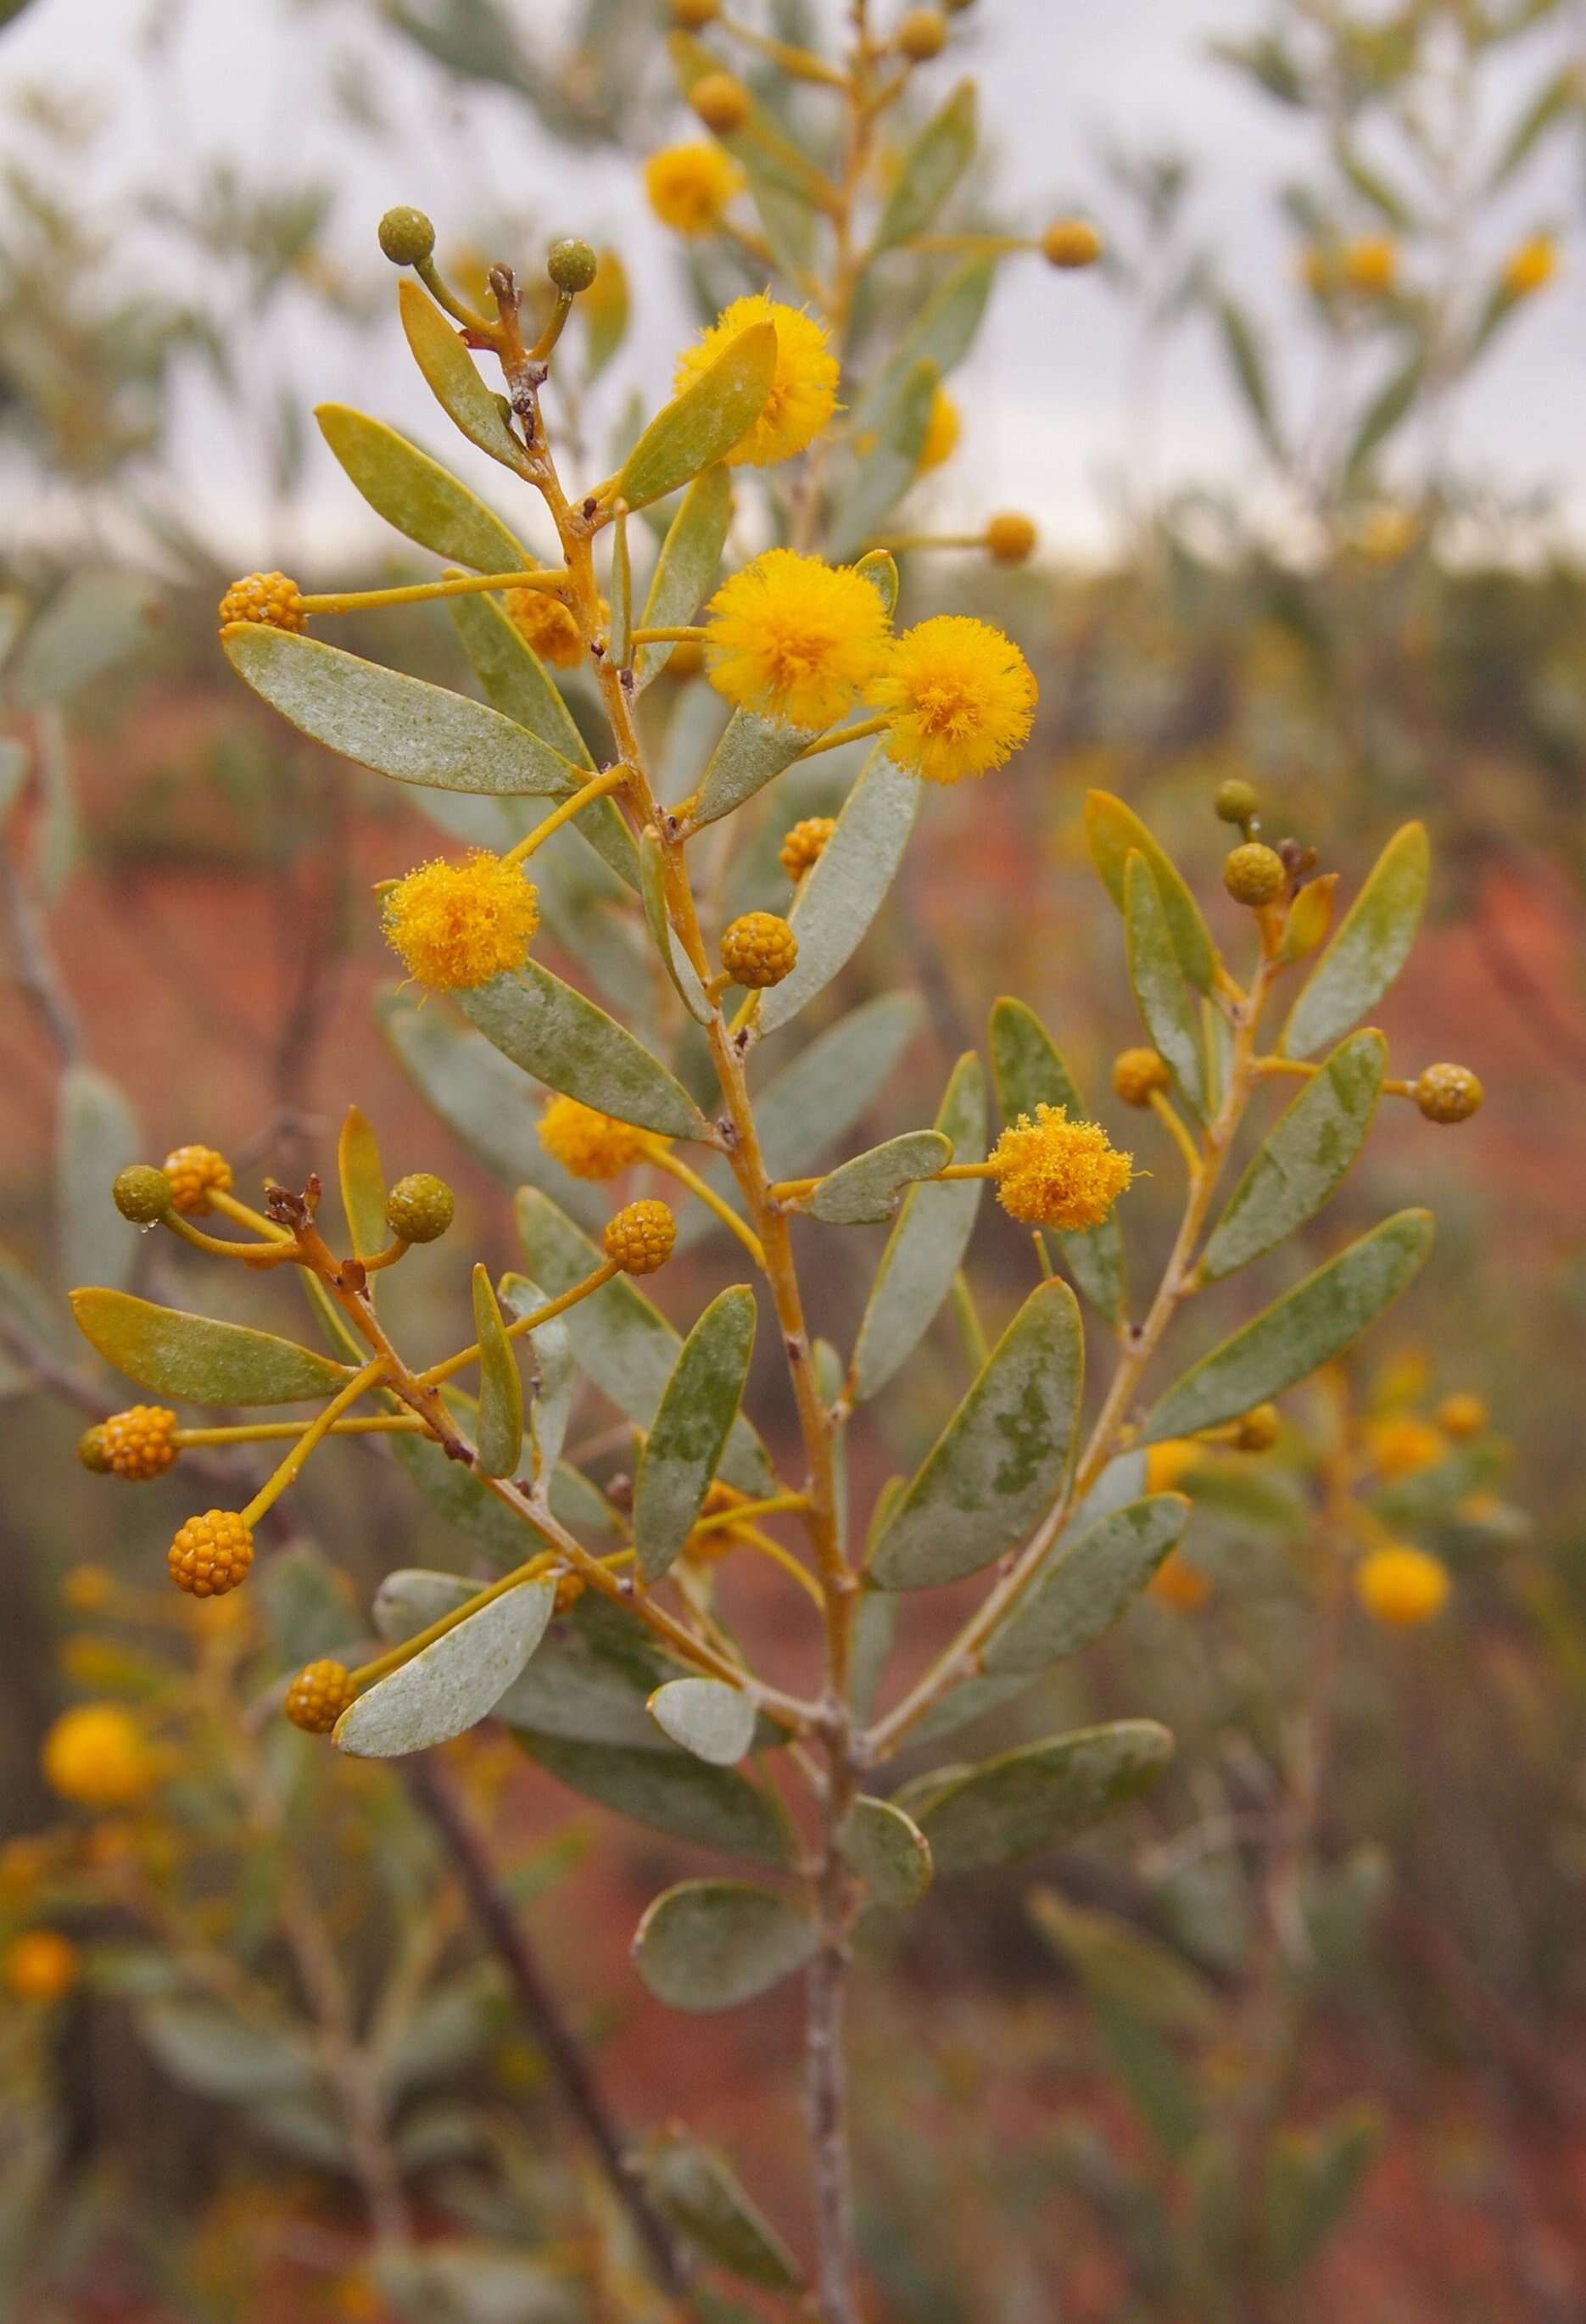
(1235, 801)
(571, 265)
(419, 1208)
(1254, 874)
(406, 236)
(141, 1193)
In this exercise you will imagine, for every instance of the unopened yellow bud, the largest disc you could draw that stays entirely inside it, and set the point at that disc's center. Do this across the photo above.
(268, 597)
(211, 1554)
(194, 1173)
(1463, 1415)
(922, 35)
(40, 1966)
(317, 1696)
(722, 103)
(1448, 1092)
(1071, 242)
(1254, 874)
(640, 1237)
(1138, 1074)
(1370, 265)
(759, 949)
(1531, 267)
(804, 844)
(1010, 538)
(1402, 1586)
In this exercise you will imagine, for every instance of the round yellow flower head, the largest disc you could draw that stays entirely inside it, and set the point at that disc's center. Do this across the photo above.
(589, 1144)
(98, 1756)
(921, 35)
(943, 430)
(1071, 242)
(457, 925)
(1052, 1172)
(1401, 1585)
(1010, 538)
(804, 384)
(1179, 1584)
(804, 844)
(1400, 1446)
(1138, 1074)
(960, 698)
(1463, 1415)
(1530, 267)
(138, 1442)
(1448, 1092)
(1370, 265)
(317, 1696)
(690, 186)
(640, 1237)
(795, 639)
(211, 1555)
(545, 626)
(1255, 873)
(268, 597)
(759, 949)
(40, 1965)
(195, 1172)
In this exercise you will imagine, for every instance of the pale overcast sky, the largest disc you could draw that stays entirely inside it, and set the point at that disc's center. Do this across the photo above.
(1047, 419)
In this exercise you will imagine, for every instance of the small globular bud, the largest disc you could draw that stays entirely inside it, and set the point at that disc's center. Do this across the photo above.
(1071, 242)
(420, 1207)
(922, 35)
(804, 844)
(1138, 1074)
(1402, 1586)
(97, 1756)
(93, 1452)
(1370, 265)
(269, 598)
(694, 15)
(1178, 1584)
(639, 1236)
(406, 236)
(1530, 267)
(1235, 800)
(211, 1554)
(1463, 1415)
(759, 949)
(1258, 1431)
(571, 265)
(40, 1966)
(140, 1442)
(1254, 874)
(1010, 538)
(317, 1696)
(722, 103)
(141, 1193)
(194, 1173)
(1448, 1092)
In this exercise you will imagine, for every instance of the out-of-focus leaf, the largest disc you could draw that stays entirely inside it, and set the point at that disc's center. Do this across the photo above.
(867, 1190)
(888, 1851)
(554, 1033)
(941, 334)
(691, 1423)
(813, 1103)
(1310, 1325)
(605, 308)
(711, 1944)
(515, 680)
(415, 494)
(1313, 2177)
(92, 623)
(1303, 1158)
(998, 1465)
(1040, 1796)
(555, 1368)
(699, 2193)
(841, 893)
(401, 727)
(309, 1610)
(453, 380)
(933, 163)
(1555, 100)
(685, 569)
(208, 2048)
(706, 1715)
(192, 1357)
(1310, 916)
(1246, 360)
(889, 459)
(1119, 1964)
(1029, 1071)
(711, 1807)
(927, 1244)
(701, 424)
(1085, 1585)
(590, 1681)
(1371, 945)
(493, 1108)
(1369, 182)
(363, 1185)
(499, 1429)
(1161, 990)
(452, 1684)
(96, 1136)
(1387, 410)
(1112, 831)
(460, 2282)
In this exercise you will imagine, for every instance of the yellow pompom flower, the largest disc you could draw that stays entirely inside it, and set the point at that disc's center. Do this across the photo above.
(943, 430)
(545, 626)
(457, 925)
(1400, 1446)
(98, 1756)
(1052, 1172)
(960, 698)
(1402, 1586)
(804, 384)
(195, 1172)
(795, 639)
(1530, 267)
(690, 186)
(268, 597)
(587, 1143)
(40, 1965)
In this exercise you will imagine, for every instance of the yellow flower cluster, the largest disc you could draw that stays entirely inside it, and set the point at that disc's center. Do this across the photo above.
(1052, 1172)
(960, 696)
(137, 1441)
(690, 186)
(587, 1143)
(98, 1756)
(1402, 1586)
(459, 925)
(804, 386)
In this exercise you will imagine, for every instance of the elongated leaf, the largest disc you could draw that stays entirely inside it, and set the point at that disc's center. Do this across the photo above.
(672, 1791)
(689, 1435)
(1303, 1159)
(1030, 1072)
(1086, 1585)
(493, 1108)
(454, 381)
(1038, 1797)
(415, 494)
(686, 568)
(699, 2193)
(554, 1033)
(889, 461)
(1112, 831)
(941, 334)
(625, 1343)
(363, 1185)
(888, 1851)
(1311, 2179)
(711, 1944)
(401, 726)
(1389, 410)
(676, 961)
(458, 1493)
(701, 424)
(927, 1245)
(203, 1362)
(813, 1102)
(1370, 947)
(1123, 1968)
(515, 680)
(500, 1425)
(93, 621)
(208, 2048)
(936, 161)
(452, 1684)
(1558, 99)
(1246, 360)
(706, 1715)
(555, 1370)
(96, 1136)
(841, 893)
(751, 753)
(866, 1191)
(998, 1465)
(1161, 988)
(1308, 1327)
